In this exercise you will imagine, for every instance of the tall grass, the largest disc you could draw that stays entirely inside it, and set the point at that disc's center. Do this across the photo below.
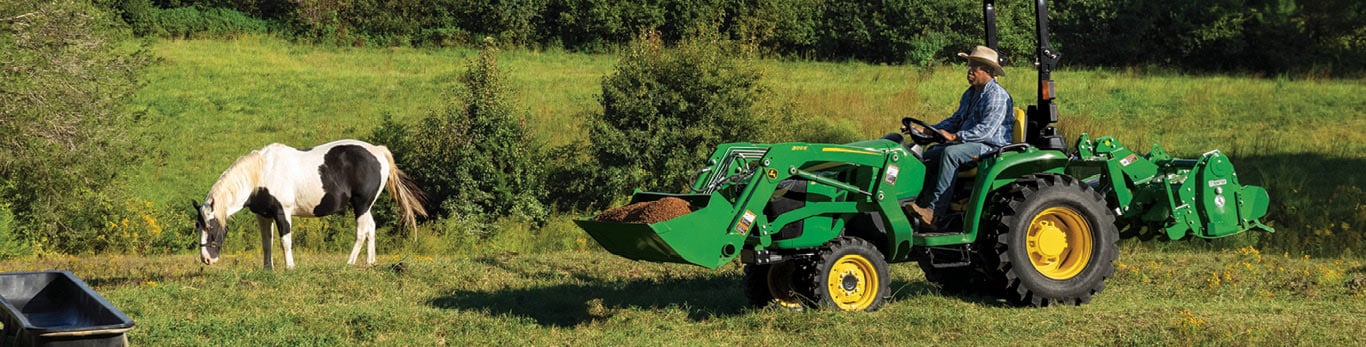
(209, 101)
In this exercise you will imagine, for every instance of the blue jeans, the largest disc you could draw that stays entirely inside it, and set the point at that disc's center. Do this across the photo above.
(942, 162)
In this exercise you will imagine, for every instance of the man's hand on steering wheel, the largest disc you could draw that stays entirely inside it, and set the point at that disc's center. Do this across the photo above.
(923, 134)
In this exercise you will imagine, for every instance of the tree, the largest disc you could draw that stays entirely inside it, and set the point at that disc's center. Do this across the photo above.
(474, 158)
(664, 111)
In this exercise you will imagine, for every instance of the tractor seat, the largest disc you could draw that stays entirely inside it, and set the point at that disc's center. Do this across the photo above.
(1017, 141)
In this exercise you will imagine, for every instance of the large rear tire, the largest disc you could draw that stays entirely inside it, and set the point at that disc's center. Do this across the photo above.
(772, 285)
(847, 274)
(1054, 241)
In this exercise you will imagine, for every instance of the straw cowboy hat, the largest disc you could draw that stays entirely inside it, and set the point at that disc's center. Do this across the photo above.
(985, 55)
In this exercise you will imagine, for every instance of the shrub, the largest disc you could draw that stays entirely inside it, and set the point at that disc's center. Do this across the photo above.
(190, 22)
(10, 243)
(664, 111)
(140, 15)
(474, 158)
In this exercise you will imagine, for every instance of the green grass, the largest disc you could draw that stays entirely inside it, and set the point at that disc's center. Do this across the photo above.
(590, 297)
(208, 102)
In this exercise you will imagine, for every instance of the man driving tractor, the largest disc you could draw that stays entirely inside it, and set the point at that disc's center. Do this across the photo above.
(981, 124)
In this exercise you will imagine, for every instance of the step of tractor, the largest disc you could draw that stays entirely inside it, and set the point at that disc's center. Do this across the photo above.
(947, 257)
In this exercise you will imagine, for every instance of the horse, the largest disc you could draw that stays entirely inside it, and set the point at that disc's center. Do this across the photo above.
(278, 182)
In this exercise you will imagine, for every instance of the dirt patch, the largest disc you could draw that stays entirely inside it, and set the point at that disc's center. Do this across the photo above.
(646, 212)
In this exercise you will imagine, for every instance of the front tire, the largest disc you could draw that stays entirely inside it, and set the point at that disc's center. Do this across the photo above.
(848, 274)
(1054, 241)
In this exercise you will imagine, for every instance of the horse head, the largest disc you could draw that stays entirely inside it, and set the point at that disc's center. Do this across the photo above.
(211, 231)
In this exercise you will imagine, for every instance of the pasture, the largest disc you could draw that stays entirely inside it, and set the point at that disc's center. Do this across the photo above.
(209, 101)
(1203, 297)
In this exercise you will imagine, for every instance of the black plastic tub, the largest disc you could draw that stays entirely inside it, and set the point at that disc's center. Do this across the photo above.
(54, 308)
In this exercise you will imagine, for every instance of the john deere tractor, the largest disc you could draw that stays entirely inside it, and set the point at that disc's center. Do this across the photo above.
(816, 225)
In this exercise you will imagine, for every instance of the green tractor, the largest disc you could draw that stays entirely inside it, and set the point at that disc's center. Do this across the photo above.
(816, 225)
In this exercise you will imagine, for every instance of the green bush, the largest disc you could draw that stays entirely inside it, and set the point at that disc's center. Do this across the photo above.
(595, 25)
(11, 245)
(663, 108)
(785, 27)
(475, 157)
(140, 15)
(190, 22)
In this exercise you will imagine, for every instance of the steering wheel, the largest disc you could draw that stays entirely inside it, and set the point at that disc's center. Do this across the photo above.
(924, 135)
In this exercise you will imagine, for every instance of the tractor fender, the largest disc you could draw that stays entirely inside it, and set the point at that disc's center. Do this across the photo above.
(993, 173)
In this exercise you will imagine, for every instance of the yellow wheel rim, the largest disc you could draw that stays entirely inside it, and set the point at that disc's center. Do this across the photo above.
(780, 286)
(1059, 243)
(853, 283)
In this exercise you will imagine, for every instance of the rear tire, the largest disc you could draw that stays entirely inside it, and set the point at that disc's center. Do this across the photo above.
(847, 274)
(772, 285)
(1054, 241)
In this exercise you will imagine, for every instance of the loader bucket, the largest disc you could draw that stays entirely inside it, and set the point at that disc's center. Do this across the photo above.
(701, 238)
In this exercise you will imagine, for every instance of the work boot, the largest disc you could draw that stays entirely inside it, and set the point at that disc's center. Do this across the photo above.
(926, 215)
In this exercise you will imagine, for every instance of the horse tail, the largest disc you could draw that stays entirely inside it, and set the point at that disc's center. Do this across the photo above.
(405, 192)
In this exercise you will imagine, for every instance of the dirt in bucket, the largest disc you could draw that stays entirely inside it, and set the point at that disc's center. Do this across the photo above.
(647, 212)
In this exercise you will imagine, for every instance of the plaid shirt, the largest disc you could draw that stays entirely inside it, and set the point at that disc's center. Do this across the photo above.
(982, 116)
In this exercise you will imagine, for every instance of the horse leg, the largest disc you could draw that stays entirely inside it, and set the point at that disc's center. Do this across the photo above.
(266, 231)
(286, 238)
(360, 239)
(365, 225)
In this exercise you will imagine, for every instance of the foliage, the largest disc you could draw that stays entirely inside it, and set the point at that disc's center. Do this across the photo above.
(1272, 36)
(663, 109)
(1265, 36)
(11, 245)
(188, 22)
(474, 158)
(66, 67)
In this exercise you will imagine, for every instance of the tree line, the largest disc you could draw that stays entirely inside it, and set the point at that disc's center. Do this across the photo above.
(1322, 37)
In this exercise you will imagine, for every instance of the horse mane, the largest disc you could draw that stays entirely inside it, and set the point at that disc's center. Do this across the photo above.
(244, 174)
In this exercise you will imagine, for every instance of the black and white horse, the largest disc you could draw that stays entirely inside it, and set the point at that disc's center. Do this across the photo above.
(278, 182)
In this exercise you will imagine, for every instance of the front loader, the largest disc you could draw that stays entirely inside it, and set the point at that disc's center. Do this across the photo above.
(816, 225)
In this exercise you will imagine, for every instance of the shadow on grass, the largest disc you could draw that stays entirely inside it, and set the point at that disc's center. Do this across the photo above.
(568, 305)
(909, 291)
(702, 298)
(117, 281)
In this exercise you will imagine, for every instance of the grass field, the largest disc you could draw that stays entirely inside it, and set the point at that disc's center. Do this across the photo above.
(1226, 297)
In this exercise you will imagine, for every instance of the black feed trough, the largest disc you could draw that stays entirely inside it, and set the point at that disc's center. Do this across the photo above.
(54, 308)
